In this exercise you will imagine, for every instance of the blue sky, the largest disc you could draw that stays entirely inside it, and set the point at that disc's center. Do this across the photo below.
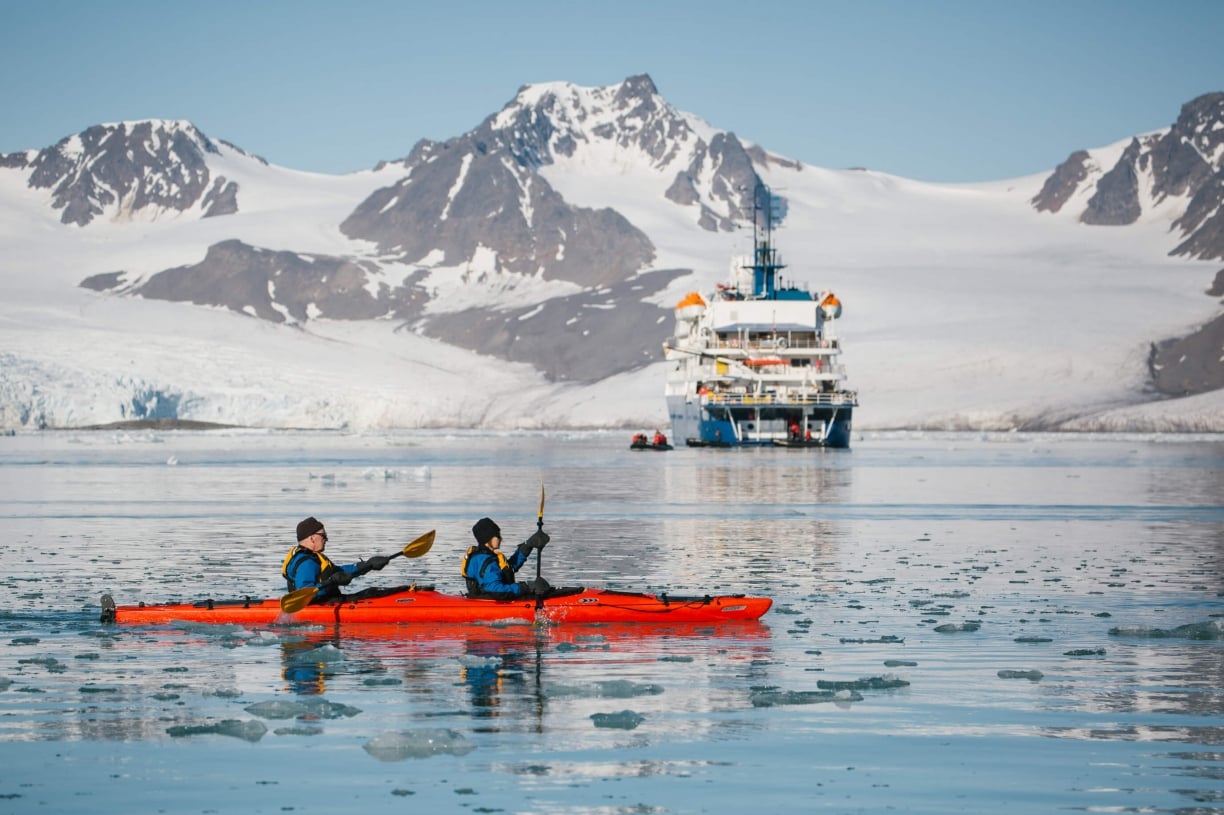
(942, 90)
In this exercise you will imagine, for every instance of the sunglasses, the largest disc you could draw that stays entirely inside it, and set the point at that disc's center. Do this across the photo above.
(322, 535)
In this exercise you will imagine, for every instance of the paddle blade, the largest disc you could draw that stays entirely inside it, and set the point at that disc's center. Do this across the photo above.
(541, 515)
(421, 545)
(295, 601)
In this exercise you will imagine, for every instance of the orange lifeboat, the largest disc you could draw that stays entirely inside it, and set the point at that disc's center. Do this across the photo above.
(831, 306)
(691, 307)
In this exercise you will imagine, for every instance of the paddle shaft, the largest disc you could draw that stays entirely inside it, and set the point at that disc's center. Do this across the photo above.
(540, 528)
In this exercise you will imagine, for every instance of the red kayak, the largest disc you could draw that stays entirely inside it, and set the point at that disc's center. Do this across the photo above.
(411, 605)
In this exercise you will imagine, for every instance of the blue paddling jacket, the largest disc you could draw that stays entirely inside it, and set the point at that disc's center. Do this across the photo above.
(304, 568)
(490, 574)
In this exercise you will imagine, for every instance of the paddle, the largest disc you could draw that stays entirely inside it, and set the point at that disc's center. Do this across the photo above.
(295, 601)
(540, 528)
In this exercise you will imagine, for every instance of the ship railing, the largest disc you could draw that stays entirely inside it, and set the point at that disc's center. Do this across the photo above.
(835, 398)
(733, 347)
(779, 344)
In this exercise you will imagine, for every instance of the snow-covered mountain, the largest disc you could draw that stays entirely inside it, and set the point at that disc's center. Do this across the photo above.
(523, 274)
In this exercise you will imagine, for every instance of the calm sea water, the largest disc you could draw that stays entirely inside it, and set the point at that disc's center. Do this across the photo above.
(1013, 624)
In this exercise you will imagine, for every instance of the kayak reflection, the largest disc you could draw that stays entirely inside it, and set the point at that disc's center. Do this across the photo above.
(517, 666)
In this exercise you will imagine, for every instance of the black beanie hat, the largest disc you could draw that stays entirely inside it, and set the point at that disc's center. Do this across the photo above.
(485, 530)
(308, 527)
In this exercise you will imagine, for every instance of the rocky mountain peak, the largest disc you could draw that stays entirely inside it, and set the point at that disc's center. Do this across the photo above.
(1184, 161)
(557, 119)
(126, 168)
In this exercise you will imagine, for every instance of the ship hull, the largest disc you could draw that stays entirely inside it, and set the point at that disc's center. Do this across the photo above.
(702, 423)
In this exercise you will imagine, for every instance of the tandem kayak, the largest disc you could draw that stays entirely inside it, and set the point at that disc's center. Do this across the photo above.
(409, 605)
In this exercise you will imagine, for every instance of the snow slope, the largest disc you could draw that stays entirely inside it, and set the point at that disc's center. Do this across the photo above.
(964, 309)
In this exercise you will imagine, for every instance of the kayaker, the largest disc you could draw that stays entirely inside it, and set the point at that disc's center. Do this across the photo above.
(306, 565)
(489, 573)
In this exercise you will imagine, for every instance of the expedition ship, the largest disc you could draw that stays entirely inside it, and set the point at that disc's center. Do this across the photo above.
(756, 363)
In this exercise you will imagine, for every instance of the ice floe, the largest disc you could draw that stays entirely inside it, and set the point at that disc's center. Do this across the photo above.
(621, 720)
(251, 730)
(421, 743)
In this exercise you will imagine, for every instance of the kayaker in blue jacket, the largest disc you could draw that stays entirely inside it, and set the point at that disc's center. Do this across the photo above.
(306, 565)
(489, 573)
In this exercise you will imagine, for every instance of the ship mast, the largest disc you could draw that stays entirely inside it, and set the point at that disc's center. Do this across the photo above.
(765, 262)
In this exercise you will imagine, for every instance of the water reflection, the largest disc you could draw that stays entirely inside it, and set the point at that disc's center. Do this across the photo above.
(1047, 546)
(523, 677)
(308, 664)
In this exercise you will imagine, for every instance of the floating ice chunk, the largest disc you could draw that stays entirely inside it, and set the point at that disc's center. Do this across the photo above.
(608, 689)
(223, 693)
(279, 709)
(1032, 676)
(1211, 630)
(624, 689)
(622, 720)
(323, 653)
(953, 628)
(298, 731)
(899, 663)
(5, 683)
(52, 664)
(1085, 652)
(866, 683)
(226, 631)
(264, 638)
(422, 743)
(172, 461)
(301, 709)
(251, 731)
(772, 697)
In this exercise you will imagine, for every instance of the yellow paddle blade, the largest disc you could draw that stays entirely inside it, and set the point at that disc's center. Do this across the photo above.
(295, 601)
(541, 515)
(421, 545)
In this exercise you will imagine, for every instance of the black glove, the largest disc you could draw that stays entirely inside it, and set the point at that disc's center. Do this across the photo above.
(540, 587)
(537, 541)
(335, 577)
(374, 564)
